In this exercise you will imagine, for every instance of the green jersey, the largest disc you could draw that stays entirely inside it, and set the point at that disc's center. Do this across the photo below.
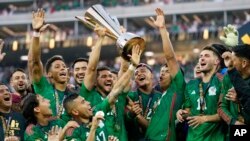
(81, 133)
(207, 131)
(40, 133)
(56, 97)
(228, 110)
(162, 124)
(148, 103)
(114, 119)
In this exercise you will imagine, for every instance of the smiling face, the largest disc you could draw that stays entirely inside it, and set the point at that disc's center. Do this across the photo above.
(208, 61)
(165, 77)
(197, 71)
(58, 72)
(143, 77)
(82, 108)
(104, 81)
(5, 97)
(79, 71)
(19, 81)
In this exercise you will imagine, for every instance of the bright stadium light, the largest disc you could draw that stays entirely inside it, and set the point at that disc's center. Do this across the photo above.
(151, 61)
(24, 57)
(89, 41)
(196, 50)
(149, 53)
(205, 34)
(52, 43)
(15, 45)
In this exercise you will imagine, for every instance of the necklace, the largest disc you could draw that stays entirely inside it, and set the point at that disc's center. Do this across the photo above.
(202, 99)
(59, 107)
(6, 125)
(145, 113)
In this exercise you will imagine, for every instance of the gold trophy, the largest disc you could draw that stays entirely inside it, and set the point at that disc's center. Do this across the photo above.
(124, 41)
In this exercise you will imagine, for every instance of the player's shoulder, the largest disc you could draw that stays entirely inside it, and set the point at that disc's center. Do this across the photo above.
(70, 131)
(30, 129)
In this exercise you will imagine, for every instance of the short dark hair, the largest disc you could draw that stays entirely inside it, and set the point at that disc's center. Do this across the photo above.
(114, 72)
(218, 50)
(102, 68)
(16, 70)
(79, 60)
(164, 65)
(242, 51)
(68, 101)
(51, 60)
(146, 66)
(29, 102)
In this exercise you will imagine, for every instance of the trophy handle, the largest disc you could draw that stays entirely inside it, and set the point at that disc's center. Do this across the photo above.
(114, 18)
(92, 25)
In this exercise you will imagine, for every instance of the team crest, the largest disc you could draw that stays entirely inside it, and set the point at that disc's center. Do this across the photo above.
(212, 91)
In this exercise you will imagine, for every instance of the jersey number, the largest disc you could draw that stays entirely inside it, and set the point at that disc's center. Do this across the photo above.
(101, 136)
(199, 107)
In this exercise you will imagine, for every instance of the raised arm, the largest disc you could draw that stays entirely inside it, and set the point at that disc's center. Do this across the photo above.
(35, 66)
(1, 47)
(90, 74)
(124, 80)
(123, 68)
(167, 46)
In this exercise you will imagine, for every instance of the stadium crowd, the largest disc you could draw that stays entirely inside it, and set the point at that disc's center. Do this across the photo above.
(65, 5)
(96, 103)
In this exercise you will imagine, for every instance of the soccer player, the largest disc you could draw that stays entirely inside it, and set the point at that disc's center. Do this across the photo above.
(197, 72)
(41, 124)
(12, 124)
(162, 124)
(79, 67)
(96, 91)
(144, 99)
(201, 98)
(80, 109)
(55, 88)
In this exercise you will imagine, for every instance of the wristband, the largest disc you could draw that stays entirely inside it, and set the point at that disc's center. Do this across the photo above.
(36, 34)
(131, 67)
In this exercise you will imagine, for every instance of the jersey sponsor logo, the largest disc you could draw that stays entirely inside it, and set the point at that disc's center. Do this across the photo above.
(193, 92)
(212, 91)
